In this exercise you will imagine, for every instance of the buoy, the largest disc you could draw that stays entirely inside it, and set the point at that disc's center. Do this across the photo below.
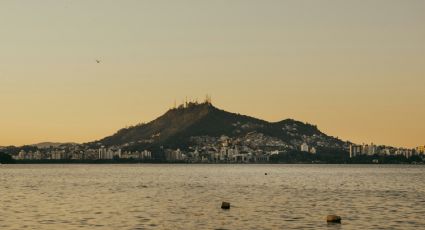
(225, 205)
(333, 219)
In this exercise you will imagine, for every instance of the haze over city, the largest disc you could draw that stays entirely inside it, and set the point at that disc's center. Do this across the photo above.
(77, 71)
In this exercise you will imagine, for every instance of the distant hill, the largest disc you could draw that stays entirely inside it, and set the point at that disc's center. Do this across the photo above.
(43, 145)
(178, 125)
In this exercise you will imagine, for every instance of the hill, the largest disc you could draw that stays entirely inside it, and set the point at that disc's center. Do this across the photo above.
(178, 126)
(43, 145)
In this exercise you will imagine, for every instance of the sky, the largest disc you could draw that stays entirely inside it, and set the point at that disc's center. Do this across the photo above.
(355, 68)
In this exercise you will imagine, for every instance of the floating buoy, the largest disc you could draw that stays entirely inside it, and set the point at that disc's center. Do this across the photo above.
(333, 219)
(225, 205)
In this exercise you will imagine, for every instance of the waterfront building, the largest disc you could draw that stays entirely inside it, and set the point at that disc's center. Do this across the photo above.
(404, 152)
(355, 150)
(372, 149)
(241, 158)
(130, 155)
(386, 152)
(77, 155)
(223, 153)
(304, 147)
(144, 155)
(58, 155)
(365, 149)
(369, 149)
(420, 149)
(21, 155)
(37, 155)
(262, 158)
(407, 153)
(102, 153)
(91, 154)
(108, 153)
(173, 155)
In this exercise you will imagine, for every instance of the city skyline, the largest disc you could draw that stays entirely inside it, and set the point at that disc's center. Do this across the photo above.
(77, 71)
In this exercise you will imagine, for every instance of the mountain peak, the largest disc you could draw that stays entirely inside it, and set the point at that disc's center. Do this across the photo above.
(193, 106)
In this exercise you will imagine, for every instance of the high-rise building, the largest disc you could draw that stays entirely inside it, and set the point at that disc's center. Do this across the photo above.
(102, 152)
(355, 150)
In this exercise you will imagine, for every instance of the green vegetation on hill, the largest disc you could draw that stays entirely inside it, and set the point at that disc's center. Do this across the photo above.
(176, 126)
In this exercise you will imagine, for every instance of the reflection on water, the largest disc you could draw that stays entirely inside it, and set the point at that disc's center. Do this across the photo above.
(189, 196)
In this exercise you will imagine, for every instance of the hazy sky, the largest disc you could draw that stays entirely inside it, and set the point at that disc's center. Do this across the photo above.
(355, 68)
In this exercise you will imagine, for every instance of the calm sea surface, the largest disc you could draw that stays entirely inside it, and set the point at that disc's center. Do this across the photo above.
(189, 196)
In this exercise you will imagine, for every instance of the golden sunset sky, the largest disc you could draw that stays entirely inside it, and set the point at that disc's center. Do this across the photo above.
(355, 68)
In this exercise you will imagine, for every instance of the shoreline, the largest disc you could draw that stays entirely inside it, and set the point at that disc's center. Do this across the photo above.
(44, 162)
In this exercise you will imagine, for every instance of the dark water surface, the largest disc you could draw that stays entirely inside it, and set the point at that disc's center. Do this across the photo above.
(189, 196)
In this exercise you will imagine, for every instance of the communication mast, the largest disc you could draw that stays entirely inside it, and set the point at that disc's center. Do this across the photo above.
(208, 99)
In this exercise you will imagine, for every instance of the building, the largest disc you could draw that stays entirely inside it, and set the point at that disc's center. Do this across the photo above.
(37, 155)
(372, 149)
(369, 149)
(420, 149)
(173, 155)
(304, 147)
(108, 154)
(22, 155)
(145, 155)
(58, 155)
(264, 158)
(355, 150)
(386, 152)
(241, 157)
(404, 152)
(365, 149)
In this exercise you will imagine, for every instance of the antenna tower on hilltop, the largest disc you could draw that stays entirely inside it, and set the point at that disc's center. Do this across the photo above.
(208, 99)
